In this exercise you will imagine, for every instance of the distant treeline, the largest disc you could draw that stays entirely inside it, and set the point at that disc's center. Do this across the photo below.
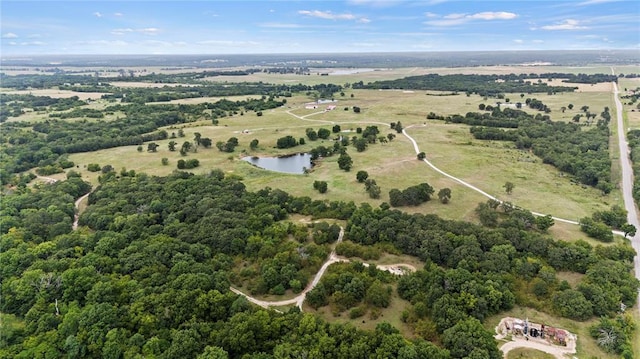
(39, 81)
(167, 93)
(486, 85)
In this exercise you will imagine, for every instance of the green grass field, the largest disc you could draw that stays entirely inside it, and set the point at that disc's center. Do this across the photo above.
(485, 164)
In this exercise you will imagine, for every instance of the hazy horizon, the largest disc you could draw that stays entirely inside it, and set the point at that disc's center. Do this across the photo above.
(375, 60)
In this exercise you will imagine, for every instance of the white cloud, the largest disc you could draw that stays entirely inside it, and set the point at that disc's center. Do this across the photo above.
(149, 31)
(595, 37)
(146, 31)
(489, 15)
(9, 35)
(103, 43)
(518, 41)
(374, 3)
(97, 14)
(454, 16)
(538, 41)
(365, 44)
(568, 24)
(227, 43)
(327, 15)
(32, 43)
(422, 46)
(279, 25)
(121, 31)
(593, 2)
(460, 18)
(118, 14)
(430, 14)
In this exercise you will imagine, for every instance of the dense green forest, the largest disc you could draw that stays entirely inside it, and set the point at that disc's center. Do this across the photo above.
(148, 273)
(577, 149)
(633, 138)
(487, 85)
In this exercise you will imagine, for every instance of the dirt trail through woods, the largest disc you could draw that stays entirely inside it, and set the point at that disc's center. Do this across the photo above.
(333, 258)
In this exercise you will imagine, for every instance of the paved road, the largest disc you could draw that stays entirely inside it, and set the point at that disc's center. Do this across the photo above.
(627, 182)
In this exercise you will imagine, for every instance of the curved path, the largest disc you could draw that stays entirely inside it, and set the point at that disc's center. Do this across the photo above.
(74, 226)
(627, 182)
(522, 343)
(417, 150)
(333, 258)
(76, 217)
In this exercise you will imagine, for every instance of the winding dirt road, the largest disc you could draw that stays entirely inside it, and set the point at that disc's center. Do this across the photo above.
(417, 150)
(627, 182)
(333, 258)
(466, 184)
(77, 215)
(74, 226)
(549, 349)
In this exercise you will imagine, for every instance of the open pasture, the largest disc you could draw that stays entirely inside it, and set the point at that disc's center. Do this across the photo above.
(485, 164)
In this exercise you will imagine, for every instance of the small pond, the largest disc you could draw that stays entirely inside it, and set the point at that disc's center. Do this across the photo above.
(295, 163)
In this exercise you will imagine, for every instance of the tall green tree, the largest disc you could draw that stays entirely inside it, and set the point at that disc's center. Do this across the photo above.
(345, 162)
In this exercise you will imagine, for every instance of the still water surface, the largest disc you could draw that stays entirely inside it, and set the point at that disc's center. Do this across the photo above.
(295, 163)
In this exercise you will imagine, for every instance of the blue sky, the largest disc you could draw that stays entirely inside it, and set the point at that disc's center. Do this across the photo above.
(240, 27)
